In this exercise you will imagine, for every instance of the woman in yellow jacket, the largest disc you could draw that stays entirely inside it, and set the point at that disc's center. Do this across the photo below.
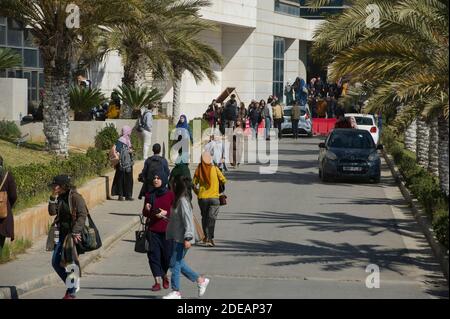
(206, 187)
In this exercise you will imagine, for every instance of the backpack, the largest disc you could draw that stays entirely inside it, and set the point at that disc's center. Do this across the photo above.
(155, 165)
(114, 156)
(3, 199)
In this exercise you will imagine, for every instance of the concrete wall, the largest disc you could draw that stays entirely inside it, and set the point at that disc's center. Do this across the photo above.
(248, 28)
(13, 99)
(82, 134)
(108, 75)
(33, 222)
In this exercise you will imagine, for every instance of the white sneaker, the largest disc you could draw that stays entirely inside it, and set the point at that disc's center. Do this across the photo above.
(173, 295)
(202, 287)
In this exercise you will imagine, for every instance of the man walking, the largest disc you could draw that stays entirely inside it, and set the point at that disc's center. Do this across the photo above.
(155, 163)
(145, 127)
(231, 111)
(278, 117)
(295, 118)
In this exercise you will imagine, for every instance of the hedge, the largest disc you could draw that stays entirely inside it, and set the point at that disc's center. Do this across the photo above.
(423, 185)
(32, 180)
(9, 129)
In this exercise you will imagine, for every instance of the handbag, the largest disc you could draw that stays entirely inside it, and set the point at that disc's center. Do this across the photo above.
(90, 237)
(3, 200)
(50, 245)
(223, 199)
(141, 244)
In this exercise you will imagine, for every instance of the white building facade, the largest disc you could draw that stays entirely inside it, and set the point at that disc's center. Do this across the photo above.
(264, 44)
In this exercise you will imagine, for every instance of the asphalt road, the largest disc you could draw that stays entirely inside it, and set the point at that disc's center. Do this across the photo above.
(289, 236)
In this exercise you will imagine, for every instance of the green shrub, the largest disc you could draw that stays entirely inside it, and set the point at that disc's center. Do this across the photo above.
(440, 226)
(138, 145)
(11, 250)
(9, 129)
(107, 137)
(99, 159)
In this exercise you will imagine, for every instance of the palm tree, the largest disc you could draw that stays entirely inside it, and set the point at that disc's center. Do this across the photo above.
(134, 97)
(408, 54)
(187, 53)
(433, 156)
(9, 59)
(46, 20)
(84, 99)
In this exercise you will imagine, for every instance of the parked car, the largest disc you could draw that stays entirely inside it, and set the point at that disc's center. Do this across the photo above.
(349, 153)
(304, 124)
(366, 122)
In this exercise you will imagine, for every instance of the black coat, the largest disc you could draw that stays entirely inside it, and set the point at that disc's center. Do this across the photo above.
(7, 224)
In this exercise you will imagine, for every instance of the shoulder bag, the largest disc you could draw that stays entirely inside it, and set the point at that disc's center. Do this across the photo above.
(141, 244)
(3, 200)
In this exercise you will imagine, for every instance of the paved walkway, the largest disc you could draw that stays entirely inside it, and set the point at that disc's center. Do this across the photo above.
(290, 236)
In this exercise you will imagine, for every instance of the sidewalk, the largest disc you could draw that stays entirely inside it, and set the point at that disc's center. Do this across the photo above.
(33, 269)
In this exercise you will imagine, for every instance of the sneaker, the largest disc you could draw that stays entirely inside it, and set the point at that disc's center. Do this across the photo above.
(156, 287)
(120, 199)
(212, 242)
(130, 199)
(166, 283)
(209, 244)
(173, 295)
(202, 287)
(69, 296)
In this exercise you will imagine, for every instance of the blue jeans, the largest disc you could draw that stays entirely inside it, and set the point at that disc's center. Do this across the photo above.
(268, 124)
(254, 129)
(56, 260)
(177, 266)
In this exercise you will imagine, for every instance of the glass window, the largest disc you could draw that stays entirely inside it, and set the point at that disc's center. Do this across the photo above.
(41, 61)
(3, 73)
(27, 75)
(30, 58)
(41, 80)
(34, 79)
(2, 34)
(34, 94)
(11, 74)
(278, 66)
(19, 74)
(28, 39)
(2, 20)
(14, 38)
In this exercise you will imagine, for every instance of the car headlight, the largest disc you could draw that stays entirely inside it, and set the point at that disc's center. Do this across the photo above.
(373, 157)
(331, 156)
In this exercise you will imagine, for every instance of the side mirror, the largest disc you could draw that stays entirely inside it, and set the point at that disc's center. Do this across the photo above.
(380, 147)
(322, 145)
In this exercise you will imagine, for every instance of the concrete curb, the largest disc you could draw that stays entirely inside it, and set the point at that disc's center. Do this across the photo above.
(14, 292)
(421, 217)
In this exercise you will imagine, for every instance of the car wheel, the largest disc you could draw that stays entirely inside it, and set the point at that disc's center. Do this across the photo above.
(376, 180)
(310, 134)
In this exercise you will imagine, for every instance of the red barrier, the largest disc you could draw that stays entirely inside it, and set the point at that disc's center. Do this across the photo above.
(323, 126)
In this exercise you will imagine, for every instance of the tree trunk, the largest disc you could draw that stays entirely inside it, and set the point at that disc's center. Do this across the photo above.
(56, 97)
(410, 137)
(443, 154)
(176, 111)
(131, 68)
(423, 143)
(433, 155)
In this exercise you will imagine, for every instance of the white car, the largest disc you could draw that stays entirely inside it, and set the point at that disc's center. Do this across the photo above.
(304, 124)
(366, 122)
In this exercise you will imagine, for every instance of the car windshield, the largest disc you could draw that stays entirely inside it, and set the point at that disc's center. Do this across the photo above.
(364, 121)
(351, 139)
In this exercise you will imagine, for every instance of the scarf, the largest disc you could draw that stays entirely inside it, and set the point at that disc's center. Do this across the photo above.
(125, 138)
(185, 124)
(160, 191)
(203, 171)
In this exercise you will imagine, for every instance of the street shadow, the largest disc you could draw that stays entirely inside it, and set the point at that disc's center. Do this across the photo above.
(124, 214)
(364, 201)
(337, 222)
(336, 257)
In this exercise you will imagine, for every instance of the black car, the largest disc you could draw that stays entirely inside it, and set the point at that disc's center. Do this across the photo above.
(349, 153)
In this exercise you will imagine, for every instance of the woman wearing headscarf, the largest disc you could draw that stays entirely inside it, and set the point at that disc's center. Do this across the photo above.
(302, 92)
(157, 209)
(8, 185)
(123, 179)
(206, 186)
(183, 126)
(181, 169)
